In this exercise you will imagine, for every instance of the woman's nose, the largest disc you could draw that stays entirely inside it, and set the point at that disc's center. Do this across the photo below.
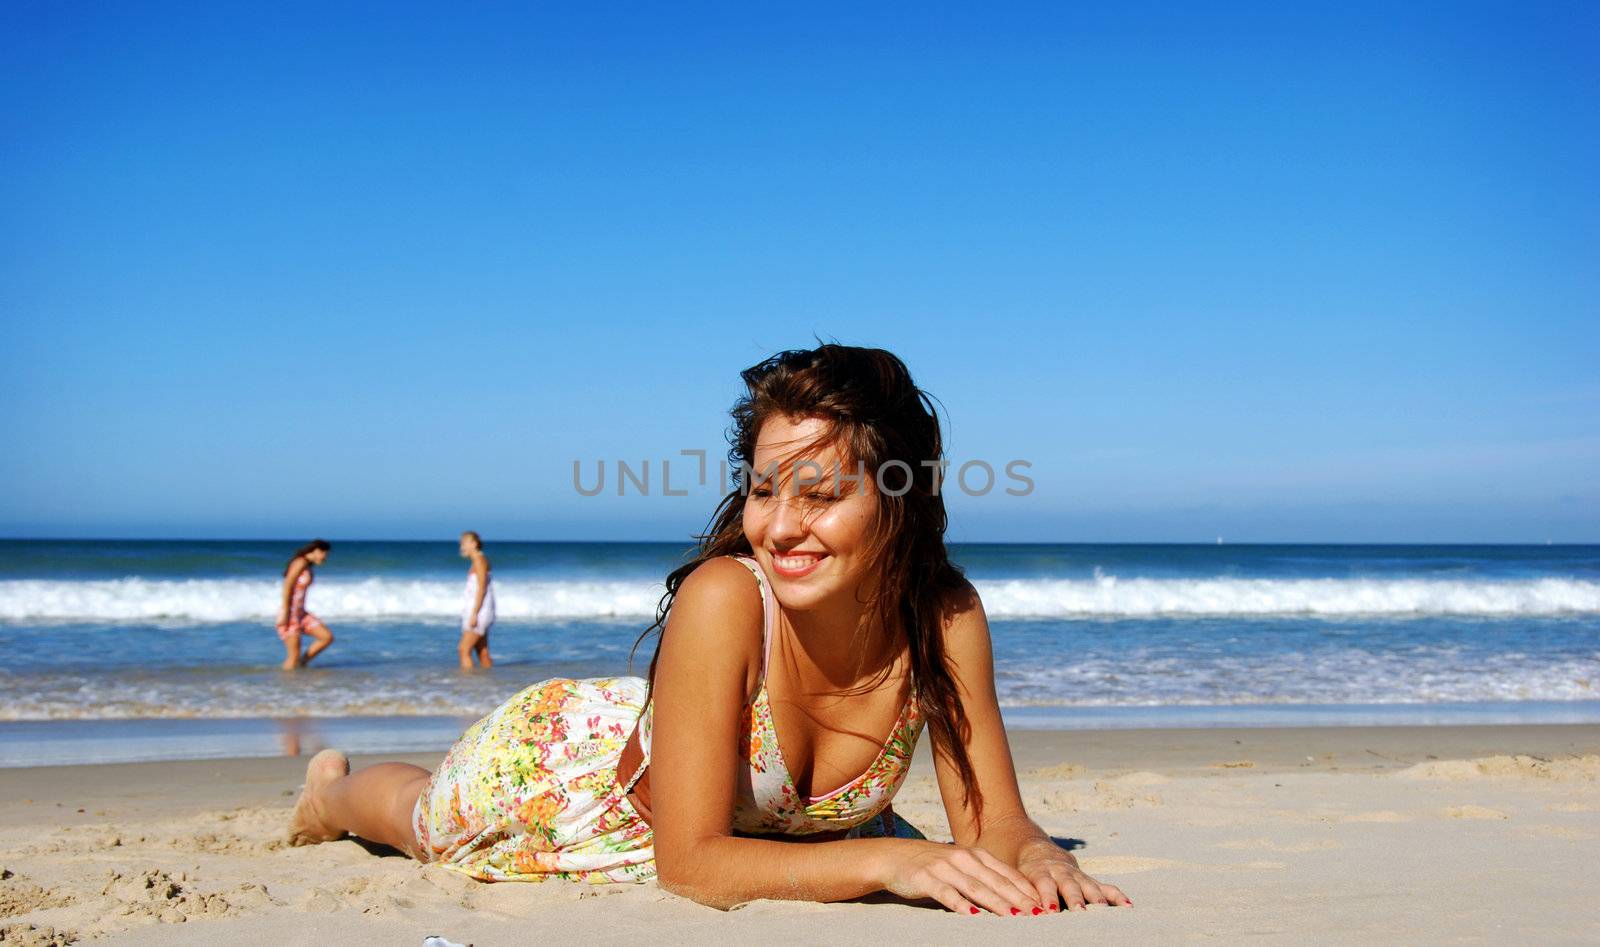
(788, 520)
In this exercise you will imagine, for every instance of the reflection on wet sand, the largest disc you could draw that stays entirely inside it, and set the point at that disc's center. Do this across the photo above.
(298, 736)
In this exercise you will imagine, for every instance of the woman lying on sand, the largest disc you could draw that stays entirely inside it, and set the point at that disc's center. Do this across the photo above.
(819, 627)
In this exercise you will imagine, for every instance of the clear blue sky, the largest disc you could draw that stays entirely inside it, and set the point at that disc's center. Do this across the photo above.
(1268, 271)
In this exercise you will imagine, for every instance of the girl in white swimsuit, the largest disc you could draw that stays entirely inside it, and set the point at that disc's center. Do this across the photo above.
(478, 614)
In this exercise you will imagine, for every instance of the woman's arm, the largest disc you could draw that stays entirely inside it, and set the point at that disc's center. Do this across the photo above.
(710, 661)
(480, 568)
(289, 579)
(1004, 830)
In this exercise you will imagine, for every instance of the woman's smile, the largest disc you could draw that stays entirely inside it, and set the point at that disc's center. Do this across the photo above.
(796, 565)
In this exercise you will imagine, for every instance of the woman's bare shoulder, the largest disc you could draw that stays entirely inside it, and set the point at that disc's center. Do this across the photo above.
(722, 577)
(961, 612)
(716, 620)
(721, 596)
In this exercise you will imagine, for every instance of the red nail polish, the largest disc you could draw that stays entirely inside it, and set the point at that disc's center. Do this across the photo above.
(1037, 912)
(1055, 907)
(974, 910)
(1015, 911)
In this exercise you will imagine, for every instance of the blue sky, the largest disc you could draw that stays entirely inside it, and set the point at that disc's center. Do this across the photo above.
(1320, 274)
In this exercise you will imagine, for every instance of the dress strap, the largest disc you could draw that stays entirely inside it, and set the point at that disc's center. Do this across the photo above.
(766, 612)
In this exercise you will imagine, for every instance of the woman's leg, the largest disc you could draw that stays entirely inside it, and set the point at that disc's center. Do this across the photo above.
(375, 803)
(323, 636)
(482, 650)
(291, 647)
(465, 647)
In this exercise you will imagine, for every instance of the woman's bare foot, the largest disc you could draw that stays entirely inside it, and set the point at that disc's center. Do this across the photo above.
(305, 825)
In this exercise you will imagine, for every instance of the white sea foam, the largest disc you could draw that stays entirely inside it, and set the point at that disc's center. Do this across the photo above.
(229, 600)
(1104, 596)
(1110, 596)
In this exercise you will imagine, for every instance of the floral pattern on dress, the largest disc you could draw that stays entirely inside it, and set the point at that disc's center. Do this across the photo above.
(769, 801)
(530, 791)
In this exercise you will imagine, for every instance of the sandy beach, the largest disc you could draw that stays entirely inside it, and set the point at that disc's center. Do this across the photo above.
(1338, 834)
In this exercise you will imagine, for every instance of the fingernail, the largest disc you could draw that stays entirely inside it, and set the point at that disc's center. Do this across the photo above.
(1015, 911)
(1037, 911)
(974, 910)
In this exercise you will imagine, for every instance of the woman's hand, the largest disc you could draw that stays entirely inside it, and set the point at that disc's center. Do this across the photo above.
(965, 880)
(1053, 873)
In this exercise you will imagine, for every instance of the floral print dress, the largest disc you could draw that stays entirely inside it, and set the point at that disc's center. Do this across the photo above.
(531, 791)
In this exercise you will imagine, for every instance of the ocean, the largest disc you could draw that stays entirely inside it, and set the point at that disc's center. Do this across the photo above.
(152, 649)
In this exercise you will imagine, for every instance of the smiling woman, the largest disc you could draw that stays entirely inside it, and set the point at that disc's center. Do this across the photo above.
(776, 711)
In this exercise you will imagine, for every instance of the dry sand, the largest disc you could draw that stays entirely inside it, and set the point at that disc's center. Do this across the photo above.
(1409, 834)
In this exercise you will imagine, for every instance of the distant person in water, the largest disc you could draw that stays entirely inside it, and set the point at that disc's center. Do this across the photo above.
(479, 613)
(293, 619)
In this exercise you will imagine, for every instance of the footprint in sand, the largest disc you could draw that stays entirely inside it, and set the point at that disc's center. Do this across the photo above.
(1473, 812)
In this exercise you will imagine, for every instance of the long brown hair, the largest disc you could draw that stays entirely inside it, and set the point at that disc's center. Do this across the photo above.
(876, 415)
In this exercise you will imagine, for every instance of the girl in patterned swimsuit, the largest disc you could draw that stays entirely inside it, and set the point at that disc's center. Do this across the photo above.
(293, 619)
(819, 628)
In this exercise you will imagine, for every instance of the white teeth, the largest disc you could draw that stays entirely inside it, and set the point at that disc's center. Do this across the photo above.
(795, 562)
